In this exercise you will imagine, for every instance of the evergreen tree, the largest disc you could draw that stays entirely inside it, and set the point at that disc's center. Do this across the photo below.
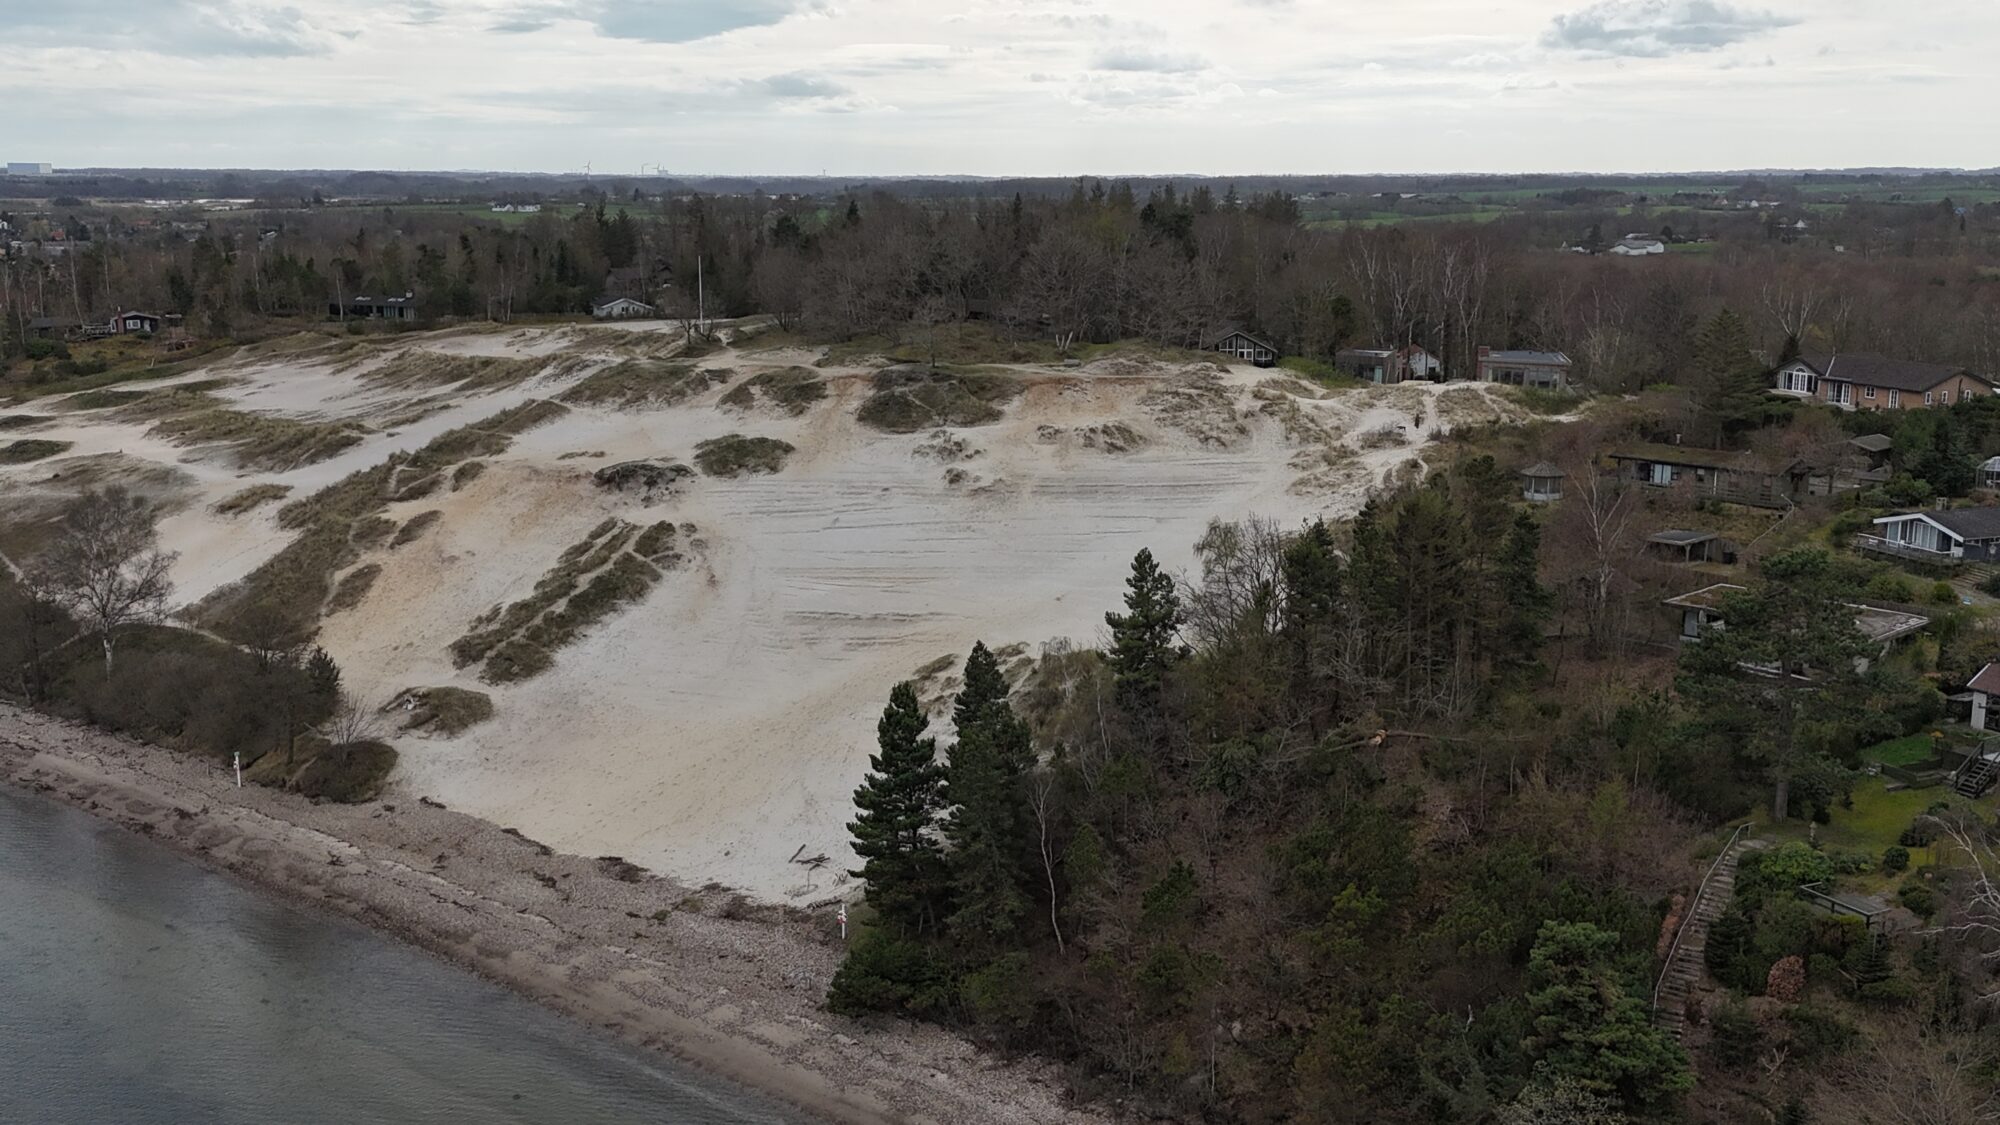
(1730, 385)
(1142, 638)
(1796, 623)
(1527, 601)
(1588, 1028)
(1731, 951)
(985, 688)
(990, 826)
(899, 803)
(1313, 610)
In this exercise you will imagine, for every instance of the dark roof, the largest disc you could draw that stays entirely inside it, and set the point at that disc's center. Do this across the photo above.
(1880, 371)
(1681, 538)
(1228, 330)
(1966, 523)
(1548, 359)
(1873, 443)
(1731, 460)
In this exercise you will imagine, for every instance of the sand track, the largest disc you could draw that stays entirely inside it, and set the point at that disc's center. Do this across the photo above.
(716, 727)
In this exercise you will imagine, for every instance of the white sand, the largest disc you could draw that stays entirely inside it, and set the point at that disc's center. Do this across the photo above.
(723, 723)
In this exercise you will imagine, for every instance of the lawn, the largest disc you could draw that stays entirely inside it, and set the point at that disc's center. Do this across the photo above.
(1908, 751)
(1876, 820)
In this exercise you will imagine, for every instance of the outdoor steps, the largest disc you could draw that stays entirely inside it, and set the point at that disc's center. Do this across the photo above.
(1977, 777)
(1686, 964)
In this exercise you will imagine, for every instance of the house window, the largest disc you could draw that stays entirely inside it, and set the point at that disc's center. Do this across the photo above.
(1868, 392)
(1927, 398)
(1895, 398)
(1965, 394)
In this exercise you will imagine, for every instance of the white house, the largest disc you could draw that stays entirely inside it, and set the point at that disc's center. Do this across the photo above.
(1984, 687)
(1963, 534)
(621, 308)
(1637, 246)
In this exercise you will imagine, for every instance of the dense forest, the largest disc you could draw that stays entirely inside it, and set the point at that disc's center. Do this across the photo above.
(1325, 835)
(1100, 261)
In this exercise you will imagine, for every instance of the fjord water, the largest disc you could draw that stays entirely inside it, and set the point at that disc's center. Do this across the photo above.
(137, 987)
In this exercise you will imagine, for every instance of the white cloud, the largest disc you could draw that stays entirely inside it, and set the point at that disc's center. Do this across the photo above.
(1654, 28)
(1004, 86)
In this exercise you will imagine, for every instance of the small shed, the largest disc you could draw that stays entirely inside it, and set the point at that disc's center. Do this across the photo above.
(1686, 546)
(127, 322)
(1541, 483)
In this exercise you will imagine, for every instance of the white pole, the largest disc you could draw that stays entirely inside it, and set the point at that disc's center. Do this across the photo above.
(239, 769)
(843, 921)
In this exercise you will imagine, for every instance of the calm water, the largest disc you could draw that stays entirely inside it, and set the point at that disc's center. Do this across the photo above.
(137, 987)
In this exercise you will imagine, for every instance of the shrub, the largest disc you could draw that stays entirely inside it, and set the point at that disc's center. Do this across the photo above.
(883, 973)
(1817, 1033)
(1942, 593)
(1918, 898)
(1890, 586)
(1737, 1038)
(1991, 585)
(1787, 979)
(1895, 859)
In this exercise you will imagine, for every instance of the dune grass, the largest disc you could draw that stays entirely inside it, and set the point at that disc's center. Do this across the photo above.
(642, 383)
(256, 496)
(27, 450)
(344, 520)
(734, 455)
(909, 399)
(790, 391)
(616, 565)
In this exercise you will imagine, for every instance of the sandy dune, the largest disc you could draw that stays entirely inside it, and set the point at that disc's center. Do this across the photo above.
(718, 727)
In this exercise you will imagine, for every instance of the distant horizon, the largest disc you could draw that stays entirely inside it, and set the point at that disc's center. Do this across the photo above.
(61, 170)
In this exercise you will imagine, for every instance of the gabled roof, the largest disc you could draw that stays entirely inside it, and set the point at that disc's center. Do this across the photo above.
(1988, 680)
(1965, 523)
(1228, 330)
(1872, 370)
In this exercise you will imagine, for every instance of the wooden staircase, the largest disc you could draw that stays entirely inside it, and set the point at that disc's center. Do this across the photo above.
(1685, 964)
(1975, 777)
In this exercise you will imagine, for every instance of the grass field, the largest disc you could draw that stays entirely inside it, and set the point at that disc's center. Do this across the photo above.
(1908, 751)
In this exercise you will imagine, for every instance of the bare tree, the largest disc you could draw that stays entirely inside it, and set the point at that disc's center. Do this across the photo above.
(1973, 924)
(1042, 796)
(105, 566)
(352, 721)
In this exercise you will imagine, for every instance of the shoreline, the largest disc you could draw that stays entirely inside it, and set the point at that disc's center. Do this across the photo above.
(704, 976)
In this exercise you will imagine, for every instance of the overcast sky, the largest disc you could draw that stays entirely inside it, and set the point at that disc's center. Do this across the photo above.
(994, 87)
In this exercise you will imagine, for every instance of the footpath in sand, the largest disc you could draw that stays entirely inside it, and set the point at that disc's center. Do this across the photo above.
(716, 729)
(635, 955)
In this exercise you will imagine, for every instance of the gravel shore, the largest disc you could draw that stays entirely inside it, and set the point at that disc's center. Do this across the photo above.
(705, 975)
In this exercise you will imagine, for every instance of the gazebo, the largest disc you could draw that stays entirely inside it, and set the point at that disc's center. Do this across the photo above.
(1542, 483)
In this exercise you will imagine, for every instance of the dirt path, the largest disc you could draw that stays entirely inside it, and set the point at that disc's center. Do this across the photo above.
(728, 986)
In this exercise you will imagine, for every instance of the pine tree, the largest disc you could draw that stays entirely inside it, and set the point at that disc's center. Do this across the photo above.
(985, 686)
(990, 826)
(1588, 1028)
(900, 802)
(1527, 601)
(1730, 386)
(1142, 638)
(1313, 607)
